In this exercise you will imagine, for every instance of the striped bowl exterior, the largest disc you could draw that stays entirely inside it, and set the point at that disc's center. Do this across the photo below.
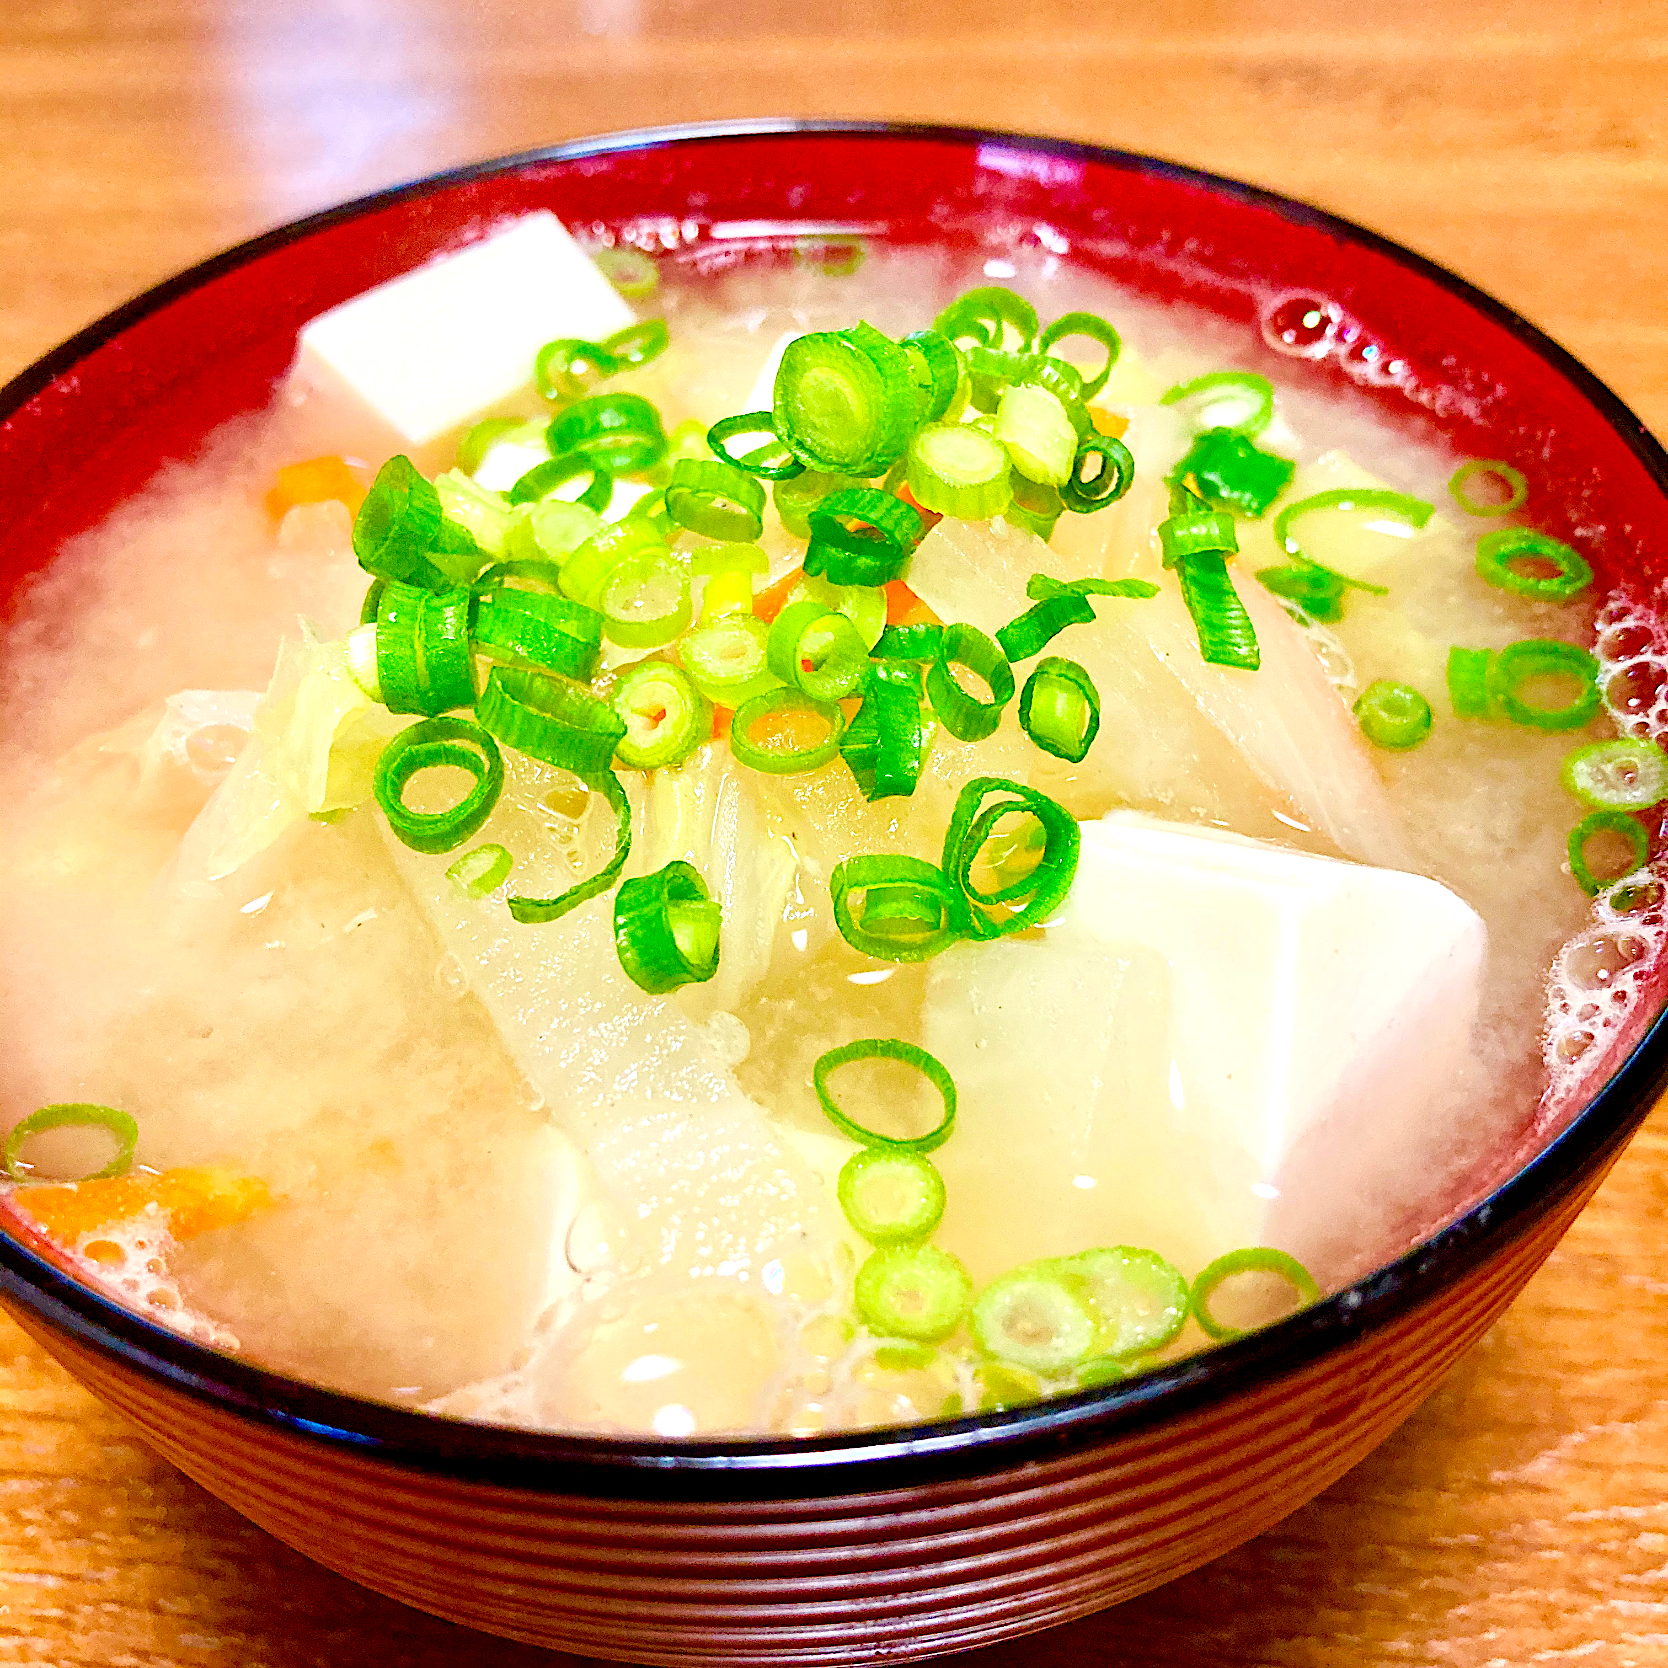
(837, 1579)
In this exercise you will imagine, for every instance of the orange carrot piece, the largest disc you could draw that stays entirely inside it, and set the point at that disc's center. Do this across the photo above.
(1108, 423)
(768, 604)
(903, 607)
(314, 482)
(195, 1201)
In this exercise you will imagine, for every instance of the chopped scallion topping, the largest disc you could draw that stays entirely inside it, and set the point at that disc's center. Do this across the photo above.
(1517, 488)
(423, 659)
(1238, 400)
(1011, 905)
(72, 1115)
(771, 461)
(786, 715)
(1139, 1298)
(630, 271)
(905, 1053)
(454, 743)
(1226, 469)
(1607, 822)
(956, 469)
(1095, 329)
(666, 718)
(1625, 773)
(535, 911)
(893, 907)
(1519, 665)
(890, 1197)
(1393, 715)
(481, 871)
(1038, 1317)
(965, 716)
(1503, 556)
(817, 650)
(1059, 708)
(1256, 1259)
(621, 432)
(886, 744)
(1468, 682)
(861, 536)
(1102, 471)
(666, 929)
(912, 1291)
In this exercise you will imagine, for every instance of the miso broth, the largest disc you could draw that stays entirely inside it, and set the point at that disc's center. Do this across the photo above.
(397, 1141)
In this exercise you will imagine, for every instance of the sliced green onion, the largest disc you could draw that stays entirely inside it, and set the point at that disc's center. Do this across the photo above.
(1140, 1298)
(1247, 398)
(1096, 329)
(1059, 708)
(1393, 715)
(965, 716)
(1625, 773)
(1040, 587)
(1036, 1317)
(559, 724)
(771, 461)
(991, 370)
(621, 432)
(1228, 470)
(630, 271)
(726, 658)
(890, 1197)
(956, 469)
(1226, 634)
(1606, 822)
(992, 316)
(666, 718)
(1032, 425)
(1468, 682)
(716, 500)
(666, 929)
(906, 1054)
(893, 907)
(645, 601)
(637, 344)
(834, 257)
(359, 651)
(938, 371)
(1082, 492)
(912, 1291)
(734, 557)
(1516, 486)
(537, 630)
(863, 605)
(1519, 663)
(78, 1114)
(423, 659)
(438, 742)
(844, 401)
(1255, 1259)
(373, 601)
(1059, 606)
(1034, 896)
(398, 526)
(588, 566)
(481, 871)
(480, 440)
(910, 642)
(796, 498)
(817, 650)
(543, 480)
(550, 532)
(886, 744)
(1499, 552)
(1319, 592)
(1410, 512)
(1065, 382)
(1035, 507)
(536, 911)
(570, 367)
(785, 760)
(861, 536)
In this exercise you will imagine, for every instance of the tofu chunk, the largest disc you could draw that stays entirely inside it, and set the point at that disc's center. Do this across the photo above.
(406, 367)
(1220, 1042)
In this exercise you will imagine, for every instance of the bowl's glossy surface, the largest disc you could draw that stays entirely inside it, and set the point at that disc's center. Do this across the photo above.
(893, 1544)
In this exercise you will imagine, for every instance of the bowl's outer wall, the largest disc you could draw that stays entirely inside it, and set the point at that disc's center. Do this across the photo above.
(950, 1542)
(841, 1579)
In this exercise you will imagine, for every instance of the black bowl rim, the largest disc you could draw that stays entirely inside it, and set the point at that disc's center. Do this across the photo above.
(870, 1461)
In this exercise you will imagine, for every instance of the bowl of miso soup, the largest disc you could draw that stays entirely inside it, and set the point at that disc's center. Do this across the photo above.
(811, 893)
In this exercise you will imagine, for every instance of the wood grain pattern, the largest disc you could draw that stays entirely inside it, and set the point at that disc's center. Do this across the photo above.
(1521, 1517)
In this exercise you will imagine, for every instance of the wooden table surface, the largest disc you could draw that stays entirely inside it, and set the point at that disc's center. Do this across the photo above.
(1521, 1517)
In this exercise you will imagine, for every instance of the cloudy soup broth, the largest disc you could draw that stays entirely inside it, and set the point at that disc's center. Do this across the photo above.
(1239, 993)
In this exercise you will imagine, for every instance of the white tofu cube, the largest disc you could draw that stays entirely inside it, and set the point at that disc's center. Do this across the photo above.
(1221, 1042)
(406, 367)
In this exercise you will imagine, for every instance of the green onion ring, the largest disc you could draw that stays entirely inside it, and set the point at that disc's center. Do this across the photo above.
(73, 1115)
(956, 469)
(1411, 512)
(436, 742)
(1059, 708)
(1038, 893)
(1086, 494)
(536, 911)
(398, 526)
(891, 1197)
(1254, 1259)
(536, 630)
(645, 601)
(1498, 550)
(622, 432)
(666, 929)
(1468, 682)
(715, 499)
(965, 716)
(1533, 657)
(908, 912)
(630, 271)
(637, 344)
(910, 642)
(1231, 472)
(569, 367)
(1317, 591)
(790, 761)
(1140, 1297)
(876, 551)
(938, 370)
(773, 461)
(665, 716)
(1606, 822)
(556, 723)
(817, 649)
(1096, 329)
(1037, 1317)
(423, 659)
(986, 314)
(1258, 390)
(544, 478)
(481, 871)
(912, 1291)
(1625, 773)
(1517, 486)
(886, 744)
(905, 1053)
(726, 658)
(1393, 715)
(844, 401)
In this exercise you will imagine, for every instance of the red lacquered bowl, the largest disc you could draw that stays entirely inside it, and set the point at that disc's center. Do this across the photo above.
(891, 1545)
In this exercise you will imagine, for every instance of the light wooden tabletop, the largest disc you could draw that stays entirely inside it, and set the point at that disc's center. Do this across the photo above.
(1521, 1517)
